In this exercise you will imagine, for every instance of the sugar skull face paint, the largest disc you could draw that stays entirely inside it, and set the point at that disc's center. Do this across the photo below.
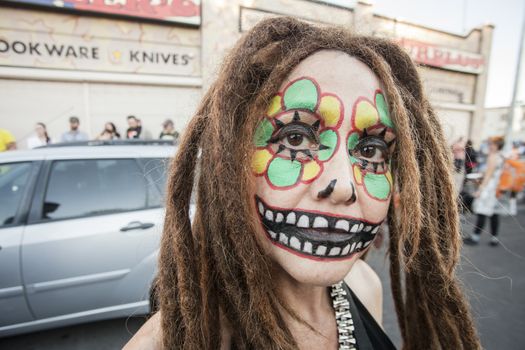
(322, 167)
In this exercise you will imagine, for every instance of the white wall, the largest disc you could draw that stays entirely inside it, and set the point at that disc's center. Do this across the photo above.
(26, 102)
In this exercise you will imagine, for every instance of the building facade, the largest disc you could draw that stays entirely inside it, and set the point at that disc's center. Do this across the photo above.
(103, 60)
(496, 122)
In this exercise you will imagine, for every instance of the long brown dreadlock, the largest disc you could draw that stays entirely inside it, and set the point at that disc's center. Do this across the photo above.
(215, 266)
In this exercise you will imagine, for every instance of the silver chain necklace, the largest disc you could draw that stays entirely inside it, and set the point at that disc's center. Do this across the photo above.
(343, 318)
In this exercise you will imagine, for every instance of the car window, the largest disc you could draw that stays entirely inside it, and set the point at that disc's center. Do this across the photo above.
(156, 169)
(93, 187)
(14, 178)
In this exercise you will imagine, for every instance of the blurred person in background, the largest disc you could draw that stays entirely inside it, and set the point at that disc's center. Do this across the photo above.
(39, 138)
(467, 188)
(168, 131)
(486, 204)
(512, 179)
(134, 128)
(471, 157)
(74, 134)
(109, 133)
(458, 151)
(521, 148)
(7, 141)
(515, 152)
(483, 154)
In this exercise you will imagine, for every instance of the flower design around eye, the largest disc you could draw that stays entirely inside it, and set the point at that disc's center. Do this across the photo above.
(297, 135)
(369, 146)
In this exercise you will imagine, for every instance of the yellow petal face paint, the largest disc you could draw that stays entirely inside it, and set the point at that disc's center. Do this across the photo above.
(275, 106)
(331, 110)
(365, 115)
(311, 170)
(260, 161)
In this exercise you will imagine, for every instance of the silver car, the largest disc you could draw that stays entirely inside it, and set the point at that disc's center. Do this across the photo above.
(79, 233)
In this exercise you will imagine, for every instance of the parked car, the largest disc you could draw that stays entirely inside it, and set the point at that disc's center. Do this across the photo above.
(79, 232)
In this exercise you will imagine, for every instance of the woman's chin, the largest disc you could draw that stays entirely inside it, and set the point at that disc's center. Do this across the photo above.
(313, 270)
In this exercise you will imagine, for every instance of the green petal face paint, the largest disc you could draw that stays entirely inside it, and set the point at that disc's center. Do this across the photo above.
(283, 172)
(377, 185)
(263, 133)
(353, 139)
(328, 139)
(301, 94)
(382, 108)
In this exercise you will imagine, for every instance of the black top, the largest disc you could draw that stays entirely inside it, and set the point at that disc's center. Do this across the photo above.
(369, 335)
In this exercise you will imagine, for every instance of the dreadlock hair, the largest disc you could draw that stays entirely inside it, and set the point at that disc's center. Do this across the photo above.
(213, 270)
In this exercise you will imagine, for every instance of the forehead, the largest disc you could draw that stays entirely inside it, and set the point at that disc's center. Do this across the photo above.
(339, 73)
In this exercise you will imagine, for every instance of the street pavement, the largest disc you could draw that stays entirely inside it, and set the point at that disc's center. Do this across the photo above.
(493, 279)
(103, 335)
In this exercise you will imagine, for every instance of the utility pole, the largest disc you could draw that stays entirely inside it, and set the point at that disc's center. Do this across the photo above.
(513, 107)
(464, 18)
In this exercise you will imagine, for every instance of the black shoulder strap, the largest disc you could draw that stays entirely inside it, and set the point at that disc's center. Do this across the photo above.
(363, 341)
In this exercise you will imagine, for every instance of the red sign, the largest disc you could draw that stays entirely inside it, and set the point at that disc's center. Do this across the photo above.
(443, 57)
(182, 11)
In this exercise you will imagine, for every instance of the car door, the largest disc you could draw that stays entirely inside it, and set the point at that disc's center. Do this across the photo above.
(16, 180)
(93, 224)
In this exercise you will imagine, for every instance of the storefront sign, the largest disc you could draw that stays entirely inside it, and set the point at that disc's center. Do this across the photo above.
(73, 52)
(249, 17)
(443, 57)
(181, 11)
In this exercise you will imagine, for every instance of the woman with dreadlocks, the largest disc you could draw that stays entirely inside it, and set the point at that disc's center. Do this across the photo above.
(304, 139)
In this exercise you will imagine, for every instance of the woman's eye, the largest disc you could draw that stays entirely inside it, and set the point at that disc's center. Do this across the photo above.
(295, 140)
(373, 152)
(368, 151)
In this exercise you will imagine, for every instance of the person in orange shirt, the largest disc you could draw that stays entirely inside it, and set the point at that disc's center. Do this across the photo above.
(7, 141)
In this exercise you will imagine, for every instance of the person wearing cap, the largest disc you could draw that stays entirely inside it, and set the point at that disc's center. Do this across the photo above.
(168, 131)
(74, 134)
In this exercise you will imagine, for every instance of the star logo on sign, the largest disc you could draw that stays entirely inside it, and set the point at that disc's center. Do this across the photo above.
(116, 56)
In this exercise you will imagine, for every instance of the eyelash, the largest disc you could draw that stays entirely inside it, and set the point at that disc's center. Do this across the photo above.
(296, 127)
(365, 166)
(379, 143)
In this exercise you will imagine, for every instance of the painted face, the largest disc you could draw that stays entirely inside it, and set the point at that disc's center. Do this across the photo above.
(322, 167)
(39, 129)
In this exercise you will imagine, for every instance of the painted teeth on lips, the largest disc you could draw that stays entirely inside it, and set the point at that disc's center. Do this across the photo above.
(286, 228)
(309, 220)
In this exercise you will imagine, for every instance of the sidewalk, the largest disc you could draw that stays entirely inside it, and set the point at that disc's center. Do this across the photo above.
(493, 280)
